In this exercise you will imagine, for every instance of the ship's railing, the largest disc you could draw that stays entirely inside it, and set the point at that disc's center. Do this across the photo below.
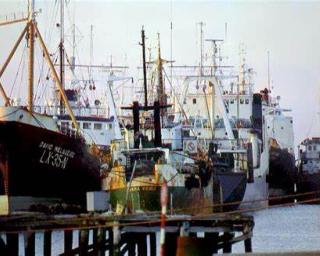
(77, 111)
(203, 144)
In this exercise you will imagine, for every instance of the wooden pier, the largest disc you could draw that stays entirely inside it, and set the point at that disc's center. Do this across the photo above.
(126, 234)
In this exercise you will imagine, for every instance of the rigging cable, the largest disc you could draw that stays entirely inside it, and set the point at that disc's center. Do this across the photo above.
(18, 71)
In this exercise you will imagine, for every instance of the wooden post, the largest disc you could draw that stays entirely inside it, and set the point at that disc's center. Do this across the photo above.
(248, 245)
(131, 243)
(13, 243)
(212, 239)
(94, 235)
(83, 241)
(68, 241)
(116, 240)
(110, 241)
(153, 244)
(227, 246)
(171, 244)
(142, 244)
(3, 247)
(29, 242)
(99, 241)
(47, 243)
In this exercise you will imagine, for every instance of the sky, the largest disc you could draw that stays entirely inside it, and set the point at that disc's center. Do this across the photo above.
(289, 30)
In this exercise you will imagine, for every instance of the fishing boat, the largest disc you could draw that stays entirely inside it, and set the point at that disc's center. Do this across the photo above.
(196, 184)
(308, 180)
(229, 113)
(40, 165)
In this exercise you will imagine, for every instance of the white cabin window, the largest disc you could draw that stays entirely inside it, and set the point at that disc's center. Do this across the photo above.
(97, 126)
(314, 147)
(310, 148)
(247, 101)
(241, 101)
(64, 124)
(206, 123)
(194, 101)
(198, 124)
(109, 126)
(86, 125)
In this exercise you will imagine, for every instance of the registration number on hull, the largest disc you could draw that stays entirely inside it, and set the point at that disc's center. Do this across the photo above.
(54, 155)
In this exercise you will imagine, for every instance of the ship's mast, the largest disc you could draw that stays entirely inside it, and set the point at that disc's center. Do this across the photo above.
(214, 73)
(61, 49)
(269, 88)
(161, 91)
(201, 47)
(73, 58)
(91, 54)
(144, 67)
(31, 52)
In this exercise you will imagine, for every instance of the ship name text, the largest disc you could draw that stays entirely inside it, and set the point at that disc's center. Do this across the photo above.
(55, 155)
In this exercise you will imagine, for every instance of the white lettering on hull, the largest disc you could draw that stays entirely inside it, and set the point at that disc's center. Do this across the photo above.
(54, 155)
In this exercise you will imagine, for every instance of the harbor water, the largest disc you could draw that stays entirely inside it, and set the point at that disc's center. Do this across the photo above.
(281, 229)
(286, 229)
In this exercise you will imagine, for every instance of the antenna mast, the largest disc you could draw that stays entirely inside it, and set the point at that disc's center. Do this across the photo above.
(269, 71)
(144, 67)
(31, 53)
(201, 47)
(61, 48)
(171, 70)
(91, 52)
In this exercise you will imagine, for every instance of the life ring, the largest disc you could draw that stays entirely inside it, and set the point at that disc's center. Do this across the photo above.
(191, 146)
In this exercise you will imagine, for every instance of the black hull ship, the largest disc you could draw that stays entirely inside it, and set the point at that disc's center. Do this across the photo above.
(308, 181)
(39, 165)
(38, 162)
(282, 174)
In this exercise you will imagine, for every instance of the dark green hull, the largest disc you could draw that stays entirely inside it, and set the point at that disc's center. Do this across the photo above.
(147, 199)
(182, 199)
